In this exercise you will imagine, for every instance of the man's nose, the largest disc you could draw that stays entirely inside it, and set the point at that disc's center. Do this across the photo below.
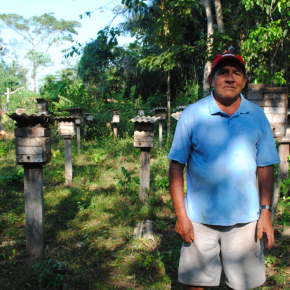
(230, 78)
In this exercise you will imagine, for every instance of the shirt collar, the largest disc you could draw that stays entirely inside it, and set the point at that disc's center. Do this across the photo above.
(214, 108)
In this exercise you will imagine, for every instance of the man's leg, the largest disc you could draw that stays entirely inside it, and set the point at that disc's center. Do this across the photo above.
(200, 264)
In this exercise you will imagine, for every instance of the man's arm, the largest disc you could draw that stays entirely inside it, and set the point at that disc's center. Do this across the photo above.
(183, 225)
(266, 181)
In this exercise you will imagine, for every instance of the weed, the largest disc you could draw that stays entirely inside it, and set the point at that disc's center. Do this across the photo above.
(49, 273)
(270, 260)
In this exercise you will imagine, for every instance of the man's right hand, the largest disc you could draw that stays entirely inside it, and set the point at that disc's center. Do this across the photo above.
(184, 228)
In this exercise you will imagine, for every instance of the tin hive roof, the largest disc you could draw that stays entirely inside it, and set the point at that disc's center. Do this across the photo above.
(157, 109)
(25, 120)
(90, 114)
(41, 99)
(64, 119)
(176, 115)
(144, 119)
(181, 107)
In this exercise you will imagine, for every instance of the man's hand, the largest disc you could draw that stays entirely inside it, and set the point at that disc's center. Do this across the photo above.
(265, 226)
(184, 228)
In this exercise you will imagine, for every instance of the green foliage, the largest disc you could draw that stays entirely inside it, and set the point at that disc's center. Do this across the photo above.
(126, 184)
(13, 176)
(50, 274)
(64, 90)
(38, 32)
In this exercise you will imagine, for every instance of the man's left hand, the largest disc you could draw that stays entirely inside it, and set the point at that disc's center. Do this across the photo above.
(265, 226)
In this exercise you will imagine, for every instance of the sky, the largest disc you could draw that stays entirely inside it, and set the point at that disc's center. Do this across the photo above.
(67, 10)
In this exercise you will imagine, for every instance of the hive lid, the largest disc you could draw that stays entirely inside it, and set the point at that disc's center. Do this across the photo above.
(24, 120)
(144, 119)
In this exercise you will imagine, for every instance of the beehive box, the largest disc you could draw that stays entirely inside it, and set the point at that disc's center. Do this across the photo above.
(66, 129)
(144, 131)
(42, 106)
(160, 112)
(274, 102)
(32, 145)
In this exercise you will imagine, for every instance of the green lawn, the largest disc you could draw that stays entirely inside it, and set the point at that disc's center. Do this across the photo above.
(89, 227)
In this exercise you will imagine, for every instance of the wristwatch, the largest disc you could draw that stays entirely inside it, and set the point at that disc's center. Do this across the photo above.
(269, 207)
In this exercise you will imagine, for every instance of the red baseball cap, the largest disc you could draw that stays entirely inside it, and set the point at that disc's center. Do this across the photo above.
(227, 55)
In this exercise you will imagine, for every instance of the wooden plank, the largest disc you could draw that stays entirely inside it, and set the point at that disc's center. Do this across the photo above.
(140, 144)
(34, 221)
(42, 141)
(274, 110)
(255, 95)
(32, 132)
(273, 96)
(22, 159)
(143, 139)
(32, 150)
(144, 174)
(274, 103)
(144, 126)
(68, 162)
(144, 133)
(276, 118)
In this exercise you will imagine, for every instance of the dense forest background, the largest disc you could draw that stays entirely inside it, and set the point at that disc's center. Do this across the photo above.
(168, 63)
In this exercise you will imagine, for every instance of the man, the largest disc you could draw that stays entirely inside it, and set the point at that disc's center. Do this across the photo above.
(225, 140)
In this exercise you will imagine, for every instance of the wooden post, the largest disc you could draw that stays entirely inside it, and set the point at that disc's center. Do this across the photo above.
(79, 139)
(33, 190)
(68, 161)
(284, 164)
(144, 173)
(115, 132)
(160, 133)
(86, 128)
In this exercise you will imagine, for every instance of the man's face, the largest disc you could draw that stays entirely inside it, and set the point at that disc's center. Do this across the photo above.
(229, 79)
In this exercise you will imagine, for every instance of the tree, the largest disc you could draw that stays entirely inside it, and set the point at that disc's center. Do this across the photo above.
(207, 67)
(40, 33)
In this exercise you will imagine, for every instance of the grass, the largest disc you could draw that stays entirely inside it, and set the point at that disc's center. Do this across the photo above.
(89, 227)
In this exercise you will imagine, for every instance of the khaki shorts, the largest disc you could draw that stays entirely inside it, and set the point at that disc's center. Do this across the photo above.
(233, 248)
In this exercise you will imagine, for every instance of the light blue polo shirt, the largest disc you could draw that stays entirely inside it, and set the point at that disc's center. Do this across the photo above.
(222, 153)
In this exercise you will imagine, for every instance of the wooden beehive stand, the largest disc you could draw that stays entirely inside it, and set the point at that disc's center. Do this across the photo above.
(143, 139)
(160, 112)
(88, 117)
(66, 130)
(33, 151)
(115, 121)
(177, 114)
(78, 114)
(274, 102)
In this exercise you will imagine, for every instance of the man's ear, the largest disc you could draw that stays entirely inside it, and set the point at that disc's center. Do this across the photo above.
(210, 80)
(245, 81)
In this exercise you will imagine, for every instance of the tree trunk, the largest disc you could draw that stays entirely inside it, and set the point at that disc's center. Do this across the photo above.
(207, 68)
(168, 104)
(219, 16)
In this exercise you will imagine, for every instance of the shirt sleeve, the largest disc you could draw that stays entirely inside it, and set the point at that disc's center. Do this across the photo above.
(267, 153)
(182, 142)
